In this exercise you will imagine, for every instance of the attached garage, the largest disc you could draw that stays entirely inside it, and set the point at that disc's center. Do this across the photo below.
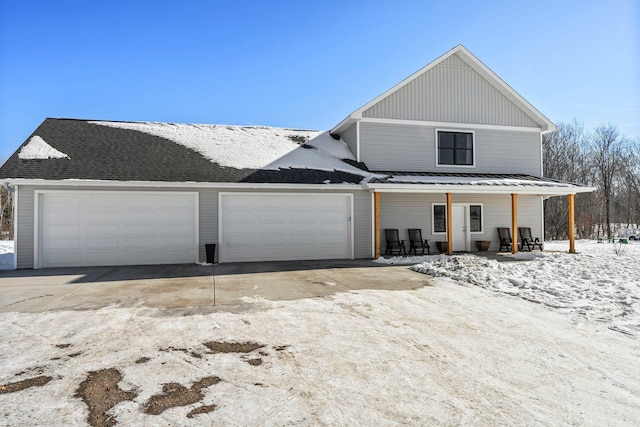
(280, 227)
(103, 228)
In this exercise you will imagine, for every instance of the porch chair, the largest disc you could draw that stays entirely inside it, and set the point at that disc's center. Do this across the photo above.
(527, 240)
(505, 238)
(416, 242)
(393, 242)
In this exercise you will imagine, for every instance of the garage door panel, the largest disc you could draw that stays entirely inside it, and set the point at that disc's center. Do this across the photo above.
(93, 228)
(283, 227)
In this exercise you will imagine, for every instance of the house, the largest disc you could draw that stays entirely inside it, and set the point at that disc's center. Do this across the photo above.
(452, 144)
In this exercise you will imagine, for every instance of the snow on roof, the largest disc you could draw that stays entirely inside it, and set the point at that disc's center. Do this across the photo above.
(253, 147)
(412, 179)
(37, 148)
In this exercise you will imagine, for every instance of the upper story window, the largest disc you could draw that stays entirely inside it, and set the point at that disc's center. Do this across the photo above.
(455, 148)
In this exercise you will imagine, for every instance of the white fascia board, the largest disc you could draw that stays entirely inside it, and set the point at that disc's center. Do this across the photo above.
(342, 125)
(191, 185)
(477, 65)
(478, 189)
(507, 90)
(403, 83)
(448, 124)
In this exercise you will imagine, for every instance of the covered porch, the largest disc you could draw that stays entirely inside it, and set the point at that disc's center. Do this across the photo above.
(460, 210)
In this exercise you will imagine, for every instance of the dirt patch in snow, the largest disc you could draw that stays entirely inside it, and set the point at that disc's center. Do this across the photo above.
(202, 410)
(21, 385)
(254, 362)
(174, 394)
(232, 347)
(100, 392)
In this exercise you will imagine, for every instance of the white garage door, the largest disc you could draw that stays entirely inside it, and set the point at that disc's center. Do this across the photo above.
(116, 228)
(280, 227)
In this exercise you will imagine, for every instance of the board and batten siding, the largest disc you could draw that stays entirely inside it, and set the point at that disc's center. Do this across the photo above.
(412, 148)
(451, 92)
(208, 221)
(350, 137)
(405, 210)
(25, 237)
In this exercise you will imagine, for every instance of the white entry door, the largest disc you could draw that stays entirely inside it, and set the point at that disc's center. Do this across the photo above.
(82, 228)
(459, 227)
(282, 227)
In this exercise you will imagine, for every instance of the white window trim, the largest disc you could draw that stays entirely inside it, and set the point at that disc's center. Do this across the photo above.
(433, 224)
(442, 233)
(473, 148)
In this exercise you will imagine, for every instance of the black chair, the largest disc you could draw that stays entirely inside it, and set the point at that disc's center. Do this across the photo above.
(527, 240)
(416, 242)
(505, 238)
(393, 242)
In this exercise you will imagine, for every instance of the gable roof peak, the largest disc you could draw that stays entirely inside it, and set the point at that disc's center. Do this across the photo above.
(473, 62)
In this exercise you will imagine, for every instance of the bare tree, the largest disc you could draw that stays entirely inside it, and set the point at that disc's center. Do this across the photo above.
(564, 158)
(606, 148)
(6, 214)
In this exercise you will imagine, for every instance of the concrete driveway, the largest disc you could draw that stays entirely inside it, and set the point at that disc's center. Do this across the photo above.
(192, 286)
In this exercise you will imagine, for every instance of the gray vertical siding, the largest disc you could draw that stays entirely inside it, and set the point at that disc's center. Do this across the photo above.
(362, 224)
(350, 137)
(208, 221)
(403, 211)
(24, 238)
(394, 147)
(451, 92)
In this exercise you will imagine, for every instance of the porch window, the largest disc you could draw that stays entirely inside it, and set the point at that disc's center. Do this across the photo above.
(455, 148)
(475, 218)
(439, 218)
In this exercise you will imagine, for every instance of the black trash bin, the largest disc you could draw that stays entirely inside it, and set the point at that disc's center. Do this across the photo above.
(210, 248)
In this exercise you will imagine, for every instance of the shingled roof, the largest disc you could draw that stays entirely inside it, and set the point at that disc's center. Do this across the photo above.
(136, 151)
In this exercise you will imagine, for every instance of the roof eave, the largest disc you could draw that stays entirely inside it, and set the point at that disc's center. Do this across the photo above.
(173, 184)
(537, 190)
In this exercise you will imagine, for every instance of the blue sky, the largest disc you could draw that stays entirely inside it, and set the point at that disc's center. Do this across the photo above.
(299, 63)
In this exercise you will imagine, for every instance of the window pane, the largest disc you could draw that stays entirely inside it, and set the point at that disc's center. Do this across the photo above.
(455, 148)
(439, 219)
(445, 156)
(446, 139)
(464, 140)
(464, 157)
(475, 216)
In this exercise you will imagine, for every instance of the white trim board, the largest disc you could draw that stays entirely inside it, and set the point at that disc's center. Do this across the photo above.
(177, 185)
(476, 126)
(437, 147)
(477, 189)
(476, 65)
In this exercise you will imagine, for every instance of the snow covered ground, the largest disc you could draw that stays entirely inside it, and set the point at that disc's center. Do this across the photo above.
(6, 254)
(439, 355)
(596, 285)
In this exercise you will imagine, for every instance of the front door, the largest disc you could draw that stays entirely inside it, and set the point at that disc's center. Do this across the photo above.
(459, 230)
